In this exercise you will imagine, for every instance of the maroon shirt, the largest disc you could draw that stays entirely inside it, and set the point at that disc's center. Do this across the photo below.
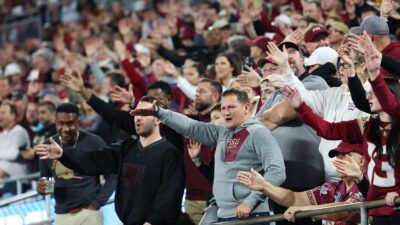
(331, 192)
(382, 177)
(393, 50)
(198, 187)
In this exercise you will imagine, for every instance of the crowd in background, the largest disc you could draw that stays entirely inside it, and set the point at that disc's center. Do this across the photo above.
(169, 49)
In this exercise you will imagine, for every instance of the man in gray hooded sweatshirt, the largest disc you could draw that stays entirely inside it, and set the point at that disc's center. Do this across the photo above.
(241, 144)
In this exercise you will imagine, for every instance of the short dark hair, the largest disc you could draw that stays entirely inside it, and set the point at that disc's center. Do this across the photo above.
(215, 86)
(116, 78)
(317, 3)
(13, 108)
(201, 69)
(241, 95)
(164, 86)
(67, 108)
(149, 99)
(49, 105)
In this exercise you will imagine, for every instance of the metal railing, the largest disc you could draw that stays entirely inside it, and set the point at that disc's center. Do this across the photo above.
(19, 180)
(362, 206)
(17, 31)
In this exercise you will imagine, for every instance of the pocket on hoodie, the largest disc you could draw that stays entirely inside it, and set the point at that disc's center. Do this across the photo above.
(223, 192)
(240, 191)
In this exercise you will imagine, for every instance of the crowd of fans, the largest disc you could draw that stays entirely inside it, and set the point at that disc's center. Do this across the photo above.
(106, 55)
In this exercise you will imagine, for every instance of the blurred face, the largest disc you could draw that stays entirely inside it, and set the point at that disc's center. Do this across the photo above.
(45, 116)
(327, 5)
(223, 68)
(310, 10)
(335, 36)
(204, 98)
(343, 70)
(217, 118)
(233, 111)
(269, 69)
(7, 119)
(107, 87)
(373, 102)
(31, 113)
(296, 60)
(40, 64)
(5, 89)
(192, 75)
(266, 92)
(145, 125)
(213, 38)
(164, 100)
(67, 126)
(355, 156)
(311, 46)
(255, 52)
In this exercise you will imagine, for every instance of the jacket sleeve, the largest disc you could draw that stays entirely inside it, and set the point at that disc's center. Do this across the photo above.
(113, 116)
(390, 104)
(357, 93)
(327, 71)
(204, 133)
(176, 59)
(348, 131)
(139, 85)
(102, 161)
(170, 193)
(391, 64)
(272, 163)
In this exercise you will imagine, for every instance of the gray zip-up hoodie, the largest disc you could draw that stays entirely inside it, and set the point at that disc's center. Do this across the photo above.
(250, 145)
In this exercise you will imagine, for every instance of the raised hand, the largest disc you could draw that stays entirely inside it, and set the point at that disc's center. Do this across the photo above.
(91, 46)
(281, 58)
(249, 78)
(149, 111)
(251, 179)
(348, 167)
(120, 94)
(292, 96)
(373, 57)
(296, 36)
(354, 42)
(120, 49)
(73, 80)
(194, 149)
(49, 151)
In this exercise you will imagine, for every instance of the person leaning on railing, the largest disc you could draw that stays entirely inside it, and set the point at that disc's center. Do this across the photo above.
(330, 193)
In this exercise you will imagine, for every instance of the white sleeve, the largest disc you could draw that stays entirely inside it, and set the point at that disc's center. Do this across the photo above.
(188, 89)
(311, 98)
(18, 139)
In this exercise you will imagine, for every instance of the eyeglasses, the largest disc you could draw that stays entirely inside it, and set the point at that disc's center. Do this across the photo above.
(369, 94)
(343, 65)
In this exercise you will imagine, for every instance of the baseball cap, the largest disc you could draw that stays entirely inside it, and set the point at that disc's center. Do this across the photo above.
(12, 69)
(321, 56)
(337, 26)
(289, 44)
(260, 42)
(373, 25)
(345, 147)
(316, 33)
(264, 61)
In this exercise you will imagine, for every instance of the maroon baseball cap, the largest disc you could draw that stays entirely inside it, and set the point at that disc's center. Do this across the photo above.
(264, 61)
(345, 147)
(316, 33)
(260, 42)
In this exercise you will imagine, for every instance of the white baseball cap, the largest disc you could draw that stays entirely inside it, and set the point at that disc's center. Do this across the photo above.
(12, 69)
(321, 56)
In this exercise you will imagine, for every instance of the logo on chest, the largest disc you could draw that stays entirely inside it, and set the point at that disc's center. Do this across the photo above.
(234, 144)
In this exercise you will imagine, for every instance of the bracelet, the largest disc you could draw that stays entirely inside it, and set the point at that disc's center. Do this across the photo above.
(196, 160)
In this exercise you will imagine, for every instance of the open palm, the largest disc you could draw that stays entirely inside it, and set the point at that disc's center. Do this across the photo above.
(251, 179)
(49, 151)
(292, 96)
(73, 80)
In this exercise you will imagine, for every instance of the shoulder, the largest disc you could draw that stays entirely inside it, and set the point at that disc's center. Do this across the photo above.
(18, 129)
(92, 138)
(313, 82)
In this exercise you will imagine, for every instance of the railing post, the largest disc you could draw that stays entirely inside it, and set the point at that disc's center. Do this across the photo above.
(48, 205)
(19, 186)
(364, 216)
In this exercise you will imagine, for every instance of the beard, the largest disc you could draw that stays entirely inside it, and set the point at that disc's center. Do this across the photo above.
(145, 131)
(294, 68)
(201, 106)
